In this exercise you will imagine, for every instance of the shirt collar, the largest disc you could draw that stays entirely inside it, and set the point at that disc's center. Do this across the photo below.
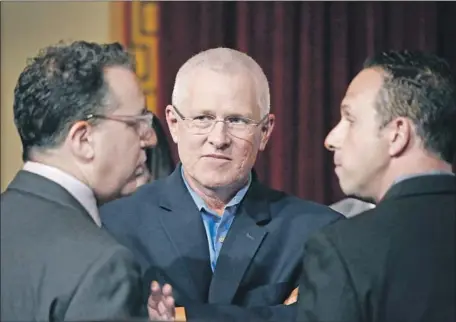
(428, 173)
(199, 202)
(81, 192)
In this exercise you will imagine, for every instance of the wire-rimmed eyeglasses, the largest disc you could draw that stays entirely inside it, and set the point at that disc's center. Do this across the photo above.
(141, 123)
(236, 125)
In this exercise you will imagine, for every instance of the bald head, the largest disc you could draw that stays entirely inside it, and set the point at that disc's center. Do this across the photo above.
(225, 61)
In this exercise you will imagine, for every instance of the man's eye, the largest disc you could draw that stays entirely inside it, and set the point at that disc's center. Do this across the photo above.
(202, 118)
(237, 120)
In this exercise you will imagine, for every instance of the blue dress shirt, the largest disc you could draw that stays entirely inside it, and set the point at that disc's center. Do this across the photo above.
(216, 226)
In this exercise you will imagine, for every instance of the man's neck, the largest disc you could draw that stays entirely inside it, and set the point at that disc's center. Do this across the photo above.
(215, 199)
(417, 167)
(58, 162)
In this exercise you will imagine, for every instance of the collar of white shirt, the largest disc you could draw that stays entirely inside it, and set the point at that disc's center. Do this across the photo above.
(76, 188)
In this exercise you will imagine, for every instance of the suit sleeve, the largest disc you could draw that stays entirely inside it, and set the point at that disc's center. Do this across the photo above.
(110, 289)
(326, 292)
(228, 313)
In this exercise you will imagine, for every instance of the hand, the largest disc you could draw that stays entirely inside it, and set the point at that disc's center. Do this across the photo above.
(160, 305)
(293, 297)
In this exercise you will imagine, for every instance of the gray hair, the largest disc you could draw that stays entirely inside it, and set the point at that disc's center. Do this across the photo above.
(224, 60)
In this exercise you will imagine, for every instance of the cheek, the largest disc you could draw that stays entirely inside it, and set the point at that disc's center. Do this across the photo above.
(245, 151)
(125, 151)
(189, 148)
(363, 150)
(356, 142)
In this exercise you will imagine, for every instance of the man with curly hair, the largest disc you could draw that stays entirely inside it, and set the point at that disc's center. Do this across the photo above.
(83, 123)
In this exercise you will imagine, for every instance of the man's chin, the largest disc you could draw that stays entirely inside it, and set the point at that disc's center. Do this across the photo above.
(215, 183)
(128, 189)
(346, 188)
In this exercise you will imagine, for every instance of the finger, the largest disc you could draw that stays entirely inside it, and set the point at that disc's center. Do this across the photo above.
(169, 301)
(153, 314)
(170, 305)
(152, 303)
(156, 293)
(164, 312)
(167, 290)
(154, 286)
(153, 299)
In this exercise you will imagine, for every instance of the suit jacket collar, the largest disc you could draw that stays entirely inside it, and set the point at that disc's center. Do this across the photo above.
(42, 187)
(175, 196)
(426, 184)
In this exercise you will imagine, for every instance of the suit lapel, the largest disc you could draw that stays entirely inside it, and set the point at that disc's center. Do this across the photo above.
(184, 228)
(241, 244)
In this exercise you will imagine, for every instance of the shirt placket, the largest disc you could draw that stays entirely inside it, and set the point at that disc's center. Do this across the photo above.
(214, 224)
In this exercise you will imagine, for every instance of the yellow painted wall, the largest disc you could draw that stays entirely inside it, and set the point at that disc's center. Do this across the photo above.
(25, 28)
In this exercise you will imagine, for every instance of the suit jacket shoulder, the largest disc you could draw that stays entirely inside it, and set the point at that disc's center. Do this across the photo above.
(381, 260)
(68, 267)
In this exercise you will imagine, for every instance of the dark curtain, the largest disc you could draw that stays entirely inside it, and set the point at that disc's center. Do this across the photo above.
(309, 51)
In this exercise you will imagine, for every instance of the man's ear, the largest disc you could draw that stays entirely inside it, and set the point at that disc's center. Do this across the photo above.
(172, 122)
(266, 131)
(399, 135)
(80, 139)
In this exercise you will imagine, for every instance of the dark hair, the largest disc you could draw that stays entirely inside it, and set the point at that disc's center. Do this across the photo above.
(61, 85)
(419, 86)
(159, 160)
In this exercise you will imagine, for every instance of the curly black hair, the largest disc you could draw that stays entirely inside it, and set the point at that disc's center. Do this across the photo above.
(61, 85)
(421, 87)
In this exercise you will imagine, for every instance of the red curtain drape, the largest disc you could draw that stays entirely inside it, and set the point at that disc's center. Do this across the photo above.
(309, 52)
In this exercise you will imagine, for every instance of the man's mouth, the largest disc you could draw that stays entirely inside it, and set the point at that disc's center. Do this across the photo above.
(217, 156)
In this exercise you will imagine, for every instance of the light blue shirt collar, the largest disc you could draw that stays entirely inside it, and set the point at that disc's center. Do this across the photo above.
(199, 202)
(429, 173)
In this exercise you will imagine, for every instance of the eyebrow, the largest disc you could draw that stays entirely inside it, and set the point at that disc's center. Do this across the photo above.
(234, 114)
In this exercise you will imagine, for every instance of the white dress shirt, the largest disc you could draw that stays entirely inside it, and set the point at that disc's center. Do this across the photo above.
(76, 188)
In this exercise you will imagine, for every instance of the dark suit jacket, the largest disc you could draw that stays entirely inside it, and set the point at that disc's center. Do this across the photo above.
(259, 264)
(395, 263)
(56, 263)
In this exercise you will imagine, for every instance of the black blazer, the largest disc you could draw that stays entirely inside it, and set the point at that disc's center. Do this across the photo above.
(56, 264)
(395, 263)
(258, 266)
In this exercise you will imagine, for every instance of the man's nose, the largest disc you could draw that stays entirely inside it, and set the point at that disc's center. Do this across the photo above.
(149, 139)
(219, 136)
(332, 139)
(328, 144)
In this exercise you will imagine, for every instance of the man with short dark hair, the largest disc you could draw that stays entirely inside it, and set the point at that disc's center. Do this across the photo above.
(81, 117)
(394, 144)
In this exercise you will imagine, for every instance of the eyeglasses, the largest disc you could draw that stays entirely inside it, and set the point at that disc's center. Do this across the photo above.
(236, 125)
(141, 123)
